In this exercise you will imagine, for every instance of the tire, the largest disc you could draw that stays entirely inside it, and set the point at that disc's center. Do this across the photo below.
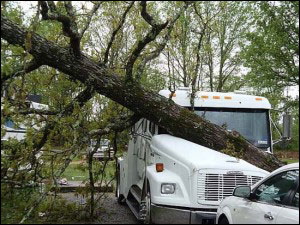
(223, 220)
(120, 197)
(148, 219)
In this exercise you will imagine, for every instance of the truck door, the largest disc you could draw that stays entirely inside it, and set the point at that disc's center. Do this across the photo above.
(142, 152)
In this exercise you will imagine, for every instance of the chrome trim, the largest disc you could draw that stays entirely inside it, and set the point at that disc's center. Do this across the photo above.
(168, 215)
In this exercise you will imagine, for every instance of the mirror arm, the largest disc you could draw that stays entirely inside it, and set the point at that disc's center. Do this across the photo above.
(277, 129)
(251, 196)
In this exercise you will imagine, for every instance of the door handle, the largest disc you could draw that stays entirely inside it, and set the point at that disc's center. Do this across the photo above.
(269, 216)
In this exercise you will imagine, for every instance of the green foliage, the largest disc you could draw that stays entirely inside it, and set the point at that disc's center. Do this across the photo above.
(14, 203)
(273, 50)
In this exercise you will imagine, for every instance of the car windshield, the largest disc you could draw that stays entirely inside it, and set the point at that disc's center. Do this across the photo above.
(253, 124)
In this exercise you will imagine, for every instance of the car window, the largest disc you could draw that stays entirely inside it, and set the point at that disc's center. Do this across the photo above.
(295, 201)
(275, 189)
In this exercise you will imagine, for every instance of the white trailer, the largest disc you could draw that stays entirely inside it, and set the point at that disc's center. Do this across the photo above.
(12, 130)
(18, 131)
(166, 179)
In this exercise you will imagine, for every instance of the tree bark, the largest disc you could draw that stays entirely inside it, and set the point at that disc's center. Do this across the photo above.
(175, 119)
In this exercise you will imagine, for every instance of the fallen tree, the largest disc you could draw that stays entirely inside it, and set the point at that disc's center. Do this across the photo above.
(125, 91)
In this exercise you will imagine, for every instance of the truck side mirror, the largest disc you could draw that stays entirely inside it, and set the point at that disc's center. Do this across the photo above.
(287, 126)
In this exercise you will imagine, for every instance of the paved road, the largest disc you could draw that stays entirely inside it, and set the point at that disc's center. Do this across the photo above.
(110, 211)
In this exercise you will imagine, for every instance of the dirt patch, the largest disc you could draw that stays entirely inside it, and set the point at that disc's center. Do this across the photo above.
(109, 211)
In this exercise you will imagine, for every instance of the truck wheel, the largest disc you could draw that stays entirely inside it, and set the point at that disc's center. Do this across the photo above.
(120, 197)
(148, 219)
(223, 220)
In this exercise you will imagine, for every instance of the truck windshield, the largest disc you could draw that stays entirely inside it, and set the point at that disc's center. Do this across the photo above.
(253, 124)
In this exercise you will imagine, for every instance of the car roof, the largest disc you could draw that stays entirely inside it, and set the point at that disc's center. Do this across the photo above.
(287, 167)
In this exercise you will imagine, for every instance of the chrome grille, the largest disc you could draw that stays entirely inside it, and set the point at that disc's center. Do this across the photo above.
(215, 187)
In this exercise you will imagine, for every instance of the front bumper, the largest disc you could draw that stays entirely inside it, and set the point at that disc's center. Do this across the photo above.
(173, 215)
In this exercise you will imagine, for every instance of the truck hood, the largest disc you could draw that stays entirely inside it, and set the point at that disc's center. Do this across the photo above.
(198, 156)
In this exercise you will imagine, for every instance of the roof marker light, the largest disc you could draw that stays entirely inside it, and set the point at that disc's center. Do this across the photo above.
(216, 97)
(204, 96)
(258, 99)
(228, 97)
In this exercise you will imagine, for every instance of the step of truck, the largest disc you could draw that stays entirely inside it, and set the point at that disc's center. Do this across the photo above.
(137, 193)
(134, 207)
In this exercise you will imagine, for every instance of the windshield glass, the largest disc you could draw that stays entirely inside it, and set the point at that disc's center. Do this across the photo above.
(253, 124)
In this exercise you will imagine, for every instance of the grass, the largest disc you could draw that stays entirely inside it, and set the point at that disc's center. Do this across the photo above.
(289, 161)
(78, 171)
(74, 172)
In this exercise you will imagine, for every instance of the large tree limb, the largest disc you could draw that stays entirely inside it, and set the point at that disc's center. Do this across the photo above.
(175, 119)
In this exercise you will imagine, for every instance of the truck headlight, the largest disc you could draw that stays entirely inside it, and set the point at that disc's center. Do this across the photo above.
(168, 188)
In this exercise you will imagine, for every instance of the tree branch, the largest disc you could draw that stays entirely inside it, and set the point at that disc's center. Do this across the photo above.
(120, 124)
(69, 25)
(147, 17)
(89, 18)
(140, 45)
(38, 111)
(163, 44)
(20, 70)
(114, 33)
(81, 99)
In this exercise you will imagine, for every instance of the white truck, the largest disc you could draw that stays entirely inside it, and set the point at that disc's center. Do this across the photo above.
(166, 179)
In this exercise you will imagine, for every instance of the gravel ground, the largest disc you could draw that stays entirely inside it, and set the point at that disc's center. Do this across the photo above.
(110, 211)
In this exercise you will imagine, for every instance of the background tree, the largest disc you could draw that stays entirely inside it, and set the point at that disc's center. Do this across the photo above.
(272, 52)
(272, 55)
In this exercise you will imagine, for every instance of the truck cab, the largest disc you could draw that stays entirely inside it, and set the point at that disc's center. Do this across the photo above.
(166, 179)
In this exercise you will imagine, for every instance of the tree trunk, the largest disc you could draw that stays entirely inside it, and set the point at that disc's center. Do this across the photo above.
(175, 119)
